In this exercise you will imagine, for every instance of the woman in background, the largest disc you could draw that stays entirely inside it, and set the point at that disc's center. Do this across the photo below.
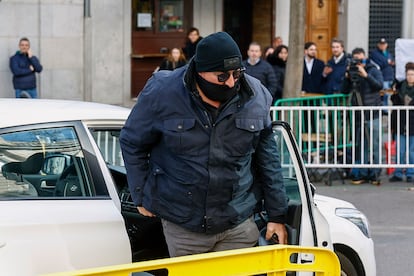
(278, 61)
(174, 60)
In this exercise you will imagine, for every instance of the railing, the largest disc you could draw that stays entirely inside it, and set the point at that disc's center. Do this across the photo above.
(308, 99)
(331, 142)
(273, 260)
(324, 127)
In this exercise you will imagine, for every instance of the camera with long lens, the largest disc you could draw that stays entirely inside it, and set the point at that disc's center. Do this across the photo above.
(353, 70)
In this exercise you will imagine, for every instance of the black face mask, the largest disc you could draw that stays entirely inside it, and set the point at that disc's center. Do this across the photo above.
(217, 92)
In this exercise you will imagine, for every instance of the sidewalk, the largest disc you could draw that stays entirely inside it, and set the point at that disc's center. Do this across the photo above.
(338, 181)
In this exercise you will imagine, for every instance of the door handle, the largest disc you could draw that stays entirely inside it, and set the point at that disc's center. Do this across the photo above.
(2, 244)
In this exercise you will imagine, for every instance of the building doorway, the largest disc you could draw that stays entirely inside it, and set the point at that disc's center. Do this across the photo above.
(247, 21)
(157, 27)
(321, 25)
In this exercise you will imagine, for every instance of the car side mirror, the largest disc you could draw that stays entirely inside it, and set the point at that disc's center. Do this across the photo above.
(54, 164)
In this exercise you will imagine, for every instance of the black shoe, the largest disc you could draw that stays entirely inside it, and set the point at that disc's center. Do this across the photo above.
(375, 182)
(395, 178)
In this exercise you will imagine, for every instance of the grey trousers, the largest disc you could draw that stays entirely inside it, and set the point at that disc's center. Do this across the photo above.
(182, 242)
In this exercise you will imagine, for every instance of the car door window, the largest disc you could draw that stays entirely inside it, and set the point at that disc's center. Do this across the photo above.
(289, 169)
(108, 143)
(46, 162)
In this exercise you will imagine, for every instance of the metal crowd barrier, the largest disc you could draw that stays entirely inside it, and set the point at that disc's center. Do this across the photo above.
(273, 260)
(316, 126)
(307, 99)
(332, 140)
(324, 129)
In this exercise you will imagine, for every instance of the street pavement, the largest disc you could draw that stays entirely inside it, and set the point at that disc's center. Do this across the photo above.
(390, 211)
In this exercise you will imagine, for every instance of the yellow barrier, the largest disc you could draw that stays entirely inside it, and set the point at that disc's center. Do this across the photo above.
(273, 259)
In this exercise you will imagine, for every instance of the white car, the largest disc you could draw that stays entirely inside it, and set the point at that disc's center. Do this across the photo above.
(65, 204)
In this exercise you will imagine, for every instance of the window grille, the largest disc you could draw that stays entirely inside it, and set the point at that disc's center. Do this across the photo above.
(385, 20)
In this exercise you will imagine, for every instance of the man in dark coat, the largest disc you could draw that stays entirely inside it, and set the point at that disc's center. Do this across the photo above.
(385, 61)
(312, 80)
(335, 68)
(24, 65)
(260, 69)
(204, 158)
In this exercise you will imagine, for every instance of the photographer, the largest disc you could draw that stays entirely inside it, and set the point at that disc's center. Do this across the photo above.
(364, 81)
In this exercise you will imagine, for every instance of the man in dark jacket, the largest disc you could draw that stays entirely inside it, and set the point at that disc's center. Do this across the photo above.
(193, 38)
(335, 68)
(191, 145)
(384, 59)
(24, 65)
(260, 69)
(312, 81)
(364, 81)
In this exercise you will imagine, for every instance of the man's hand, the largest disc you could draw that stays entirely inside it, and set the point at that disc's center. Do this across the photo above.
(145, 212)
(31, 67)
(276, 228)
(29, 53)
(327, 70)
(361, 71)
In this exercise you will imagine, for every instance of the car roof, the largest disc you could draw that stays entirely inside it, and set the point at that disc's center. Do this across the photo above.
(15, 112)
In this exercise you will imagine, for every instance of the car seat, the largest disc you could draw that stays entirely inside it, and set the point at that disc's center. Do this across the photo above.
(16, 170)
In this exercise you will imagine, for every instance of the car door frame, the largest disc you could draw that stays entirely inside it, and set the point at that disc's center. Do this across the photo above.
(70, 233)
(314, 228)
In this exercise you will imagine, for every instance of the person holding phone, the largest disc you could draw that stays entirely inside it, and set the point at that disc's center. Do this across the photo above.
(24, 65)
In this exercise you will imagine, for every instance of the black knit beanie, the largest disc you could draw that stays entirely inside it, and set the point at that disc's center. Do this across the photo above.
(217, 52)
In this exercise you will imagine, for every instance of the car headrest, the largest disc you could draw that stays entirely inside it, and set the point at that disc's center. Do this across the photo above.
(31, 165)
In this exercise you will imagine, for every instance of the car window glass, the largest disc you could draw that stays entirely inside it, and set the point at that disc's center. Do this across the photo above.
(46, 162)
(108, 143)
(289, 170)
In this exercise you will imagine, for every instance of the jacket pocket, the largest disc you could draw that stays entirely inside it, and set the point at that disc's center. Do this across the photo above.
(171, 200)
(181, 136)
(245, 136)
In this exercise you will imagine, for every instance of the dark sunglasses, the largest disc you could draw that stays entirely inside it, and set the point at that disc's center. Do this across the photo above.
(223, 77)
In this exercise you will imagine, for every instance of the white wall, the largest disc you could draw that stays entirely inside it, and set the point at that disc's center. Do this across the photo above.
(17, 19)
(60, 48)
(357, 25)
(83, 58)
(208, 16)
(408, 19)
(55, 30)
(108, 51)
(282, 12)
